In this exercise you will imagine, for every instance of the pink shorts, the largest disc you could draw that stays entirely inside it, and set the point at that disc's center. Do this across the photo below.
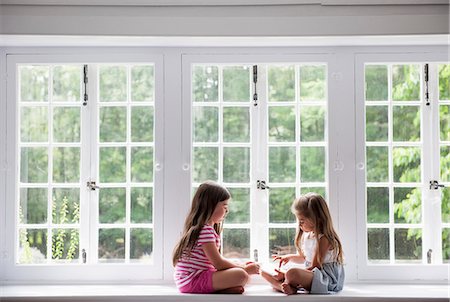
(200, 284)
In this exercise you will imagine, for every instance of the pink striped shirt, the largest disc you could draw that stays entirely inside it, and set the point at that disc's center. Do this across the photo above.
(189, 266)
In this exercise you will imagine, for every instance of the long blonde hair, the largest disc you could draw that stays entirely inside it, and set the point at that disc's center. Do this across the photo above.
(205, 200)
(313, 207)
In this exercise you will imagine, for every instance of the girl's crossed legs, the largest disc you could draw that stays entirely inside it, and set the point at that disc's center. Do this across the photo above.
(229, 281)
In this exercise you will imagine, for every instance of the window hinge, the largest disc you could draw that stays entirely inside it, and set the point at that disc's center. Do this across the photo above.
(85, 82)
(255, 80)
(434, 185)
(427, 93)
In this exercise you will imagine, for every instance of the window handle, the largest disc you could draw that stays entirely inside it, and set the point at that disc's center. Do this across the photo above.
(434, 185)
(261, 184)
(92, 186)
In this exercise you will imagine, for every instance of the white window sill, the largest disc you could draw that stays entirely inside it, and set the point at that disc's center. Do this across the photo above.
(257, 292)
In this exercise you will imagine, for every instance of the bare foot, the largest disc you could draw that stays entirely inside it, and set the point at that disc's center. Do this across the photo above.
(273, 280)
(288, 289)
(231, 290)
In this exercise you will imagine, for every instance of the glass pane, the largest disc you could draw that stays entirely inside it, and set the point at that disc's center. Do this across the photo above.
(312, 165)
(406, 120)
(282, 124)
(34, 124)
(112, 164)
(32, 246)
(33, 205)
(376, 81)
(377, 205)
(444, 117)
(446, 245)
(141, 245)
(236, 243)
(142, 83)
(33, 83)
(142, 164)
(65, 206)
(205, 84)
(141, 205)
(66, 124)
(65, 245)
(206, 164)
(281, 81)
(445, 205)
(113, 124)
(111, 205)
(205, 124)
(378, 245)
(406, 164)
(444, 82)
(282, 164)
(319, 190)
(377, 164)
(312, 124)
(33, 165)
(406, 82)
(313, 83)
(236, 164)
(376, 123)
(142, 124)
(113, 83)
(236, 124)
(280, 201)
(281, 241)
(111, 245)
(236, 84)
(66, 164)
(239, 210)
(67, 83)
(407, 205)
(408, 245)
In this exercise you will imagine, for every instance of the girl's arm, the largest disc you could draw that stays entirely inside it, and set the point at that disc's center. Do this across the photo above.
(220, 263)
(324, 246)
(297, 258)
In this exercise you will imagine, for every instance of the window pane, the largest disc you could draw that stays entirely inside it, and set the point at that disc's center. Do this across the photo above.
(445, 205)
(377, 164)
(406, 120)
(281, 82)
(141, 205)
(282, 164)
(408, 245)
(406, 164)
(239, 210)
(282, 124)
(112, 205)
(66, 206)
(236, 124)
(376, 80)
(280, 200)
(33, 205)
(66, 164)
(378, 245)
(406, 83)
(236, 243)
(236, 84)
(444, 82)
(236, 164)
(377, 205)
(34, 124)
(319, 190)
(111, 245)
(113, 83)
(65, 245)
(376, 123)
(113, 124)
(205, 161)
(205, 124)
(205, 84)
(407, 205)
(142, 119)
(33, 165)
(142, 164)
(32, 246)
(67, 83)
(142, 83)
(66, 124)
(313, 83)
(141, 245)
(312, 166)
(112, 164)
(312, 124)
(446, 245)
(281, 241)
(444, 117)
(33, 83)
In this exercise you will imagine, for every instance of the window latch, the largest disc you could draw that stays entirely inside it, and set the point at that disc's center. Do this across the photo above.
(261, 185)
(92, 186)
(434, 185)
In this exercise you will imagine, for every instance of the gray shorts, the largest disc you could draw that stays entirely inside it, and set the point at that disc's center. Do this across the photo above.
(329, 279)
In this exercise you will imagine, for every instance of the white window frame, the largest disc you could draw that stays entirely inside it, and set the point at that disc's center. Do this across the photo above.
(82, 272)
(366, 271)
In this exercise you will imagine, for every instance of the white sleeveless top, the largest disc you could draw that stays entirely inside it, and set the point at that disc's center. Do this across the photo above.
(308, 245)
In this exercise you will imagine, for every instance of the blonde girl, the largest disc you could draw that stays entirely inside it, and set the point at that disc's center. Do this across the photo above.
(199, 266)
(318, 247)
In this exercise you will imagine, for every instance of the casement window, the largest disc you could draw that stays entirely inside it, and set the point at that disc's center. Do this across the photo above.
(86, 187)
(403, 193)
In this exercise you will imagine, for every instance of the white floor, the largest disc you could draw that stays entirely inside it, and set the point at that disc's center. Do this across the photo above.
(260, 292)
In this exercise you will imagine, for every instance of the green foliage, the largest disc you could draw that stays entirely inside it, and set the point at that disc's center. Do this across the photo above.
(406, 82)
(281, 81)
(376, 82)
(236, 84)
(313, 83)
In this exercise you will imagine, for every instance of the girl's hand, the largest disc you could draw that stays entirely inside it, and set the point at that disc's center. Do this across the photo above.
(283, 259)
(251, 268)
